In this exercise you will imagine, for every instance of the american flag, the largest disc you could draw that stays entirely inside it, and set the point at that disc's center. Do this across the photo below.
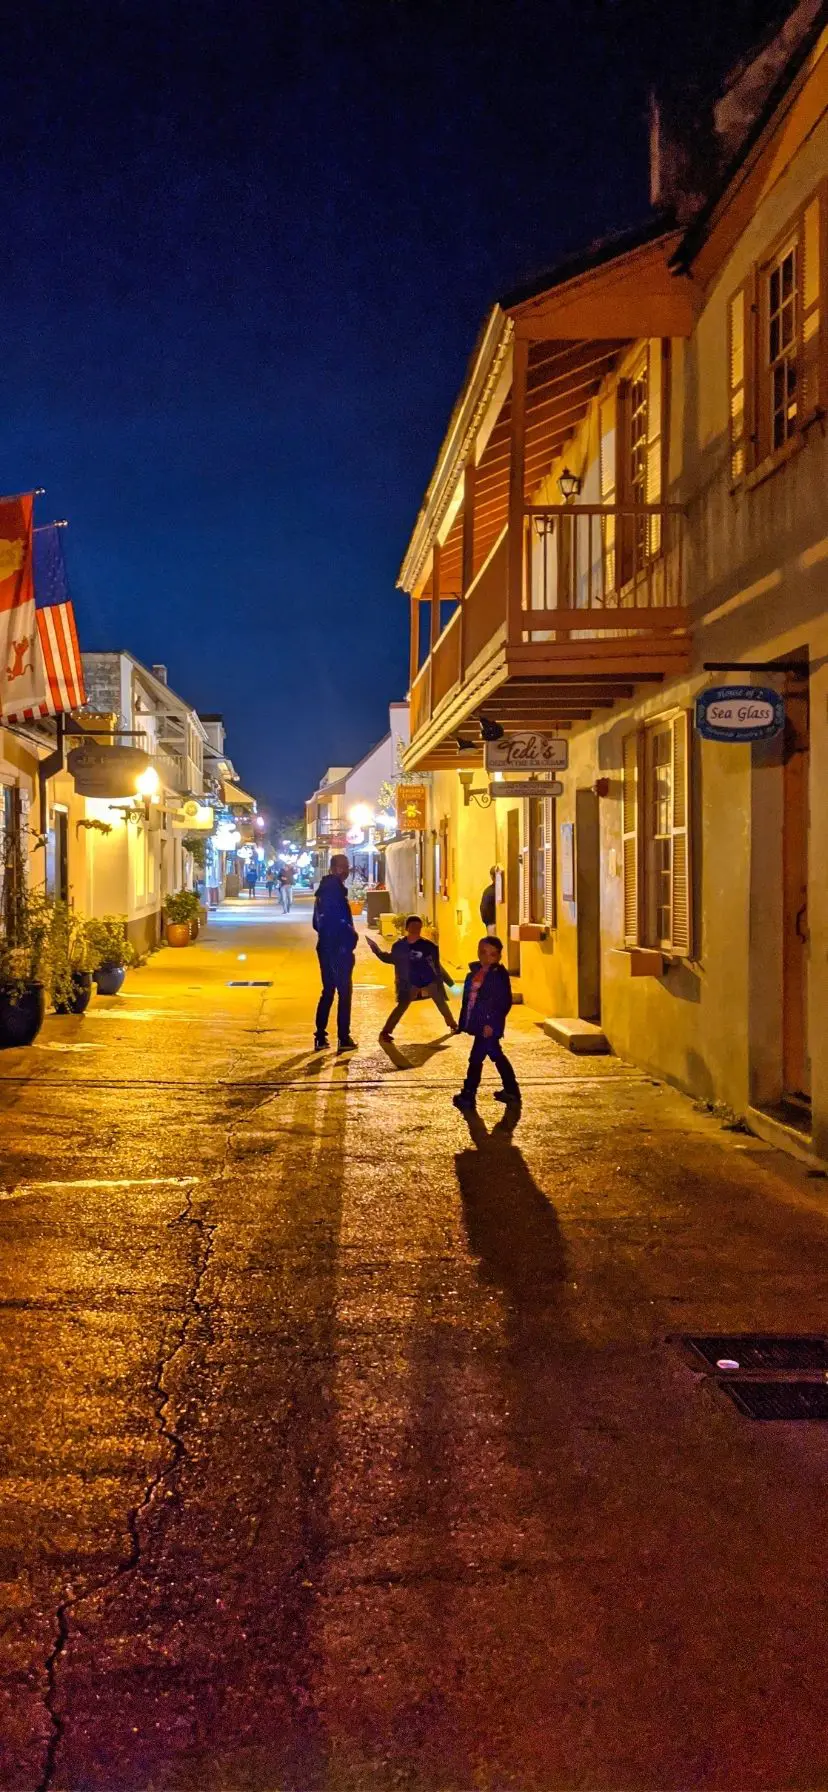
(57, 637)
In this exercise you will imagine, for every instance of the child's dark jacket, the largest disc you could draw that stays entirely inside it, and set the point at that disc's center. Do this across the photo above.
(494, 999)
(415, 966)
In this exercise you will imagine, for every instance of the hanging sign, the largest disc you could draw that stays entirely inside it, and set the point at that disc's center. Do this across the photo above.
(411, 808)
(194, 818)
(527, 753)
(532, 787)
(739, 712)
(107, 771)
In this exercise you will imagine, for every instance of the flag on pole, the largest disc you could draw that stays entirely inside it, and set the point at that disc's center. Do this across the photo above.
(22, 676)
(59, 669)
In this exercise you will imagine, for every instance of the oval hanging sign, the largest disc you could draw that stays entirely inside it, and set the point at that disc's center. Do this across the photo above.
(739, 712)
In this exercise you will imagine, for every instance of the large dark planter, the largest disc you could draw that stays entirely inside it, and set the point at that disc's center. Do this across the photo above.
(21, 1021)
(178, 933)
(81, 994)
(108, 978)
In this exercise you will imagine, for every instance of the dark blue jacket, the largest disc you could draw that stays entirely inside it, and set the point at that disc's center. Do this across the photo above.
(415, 967)
(332, 918)
(494, 999)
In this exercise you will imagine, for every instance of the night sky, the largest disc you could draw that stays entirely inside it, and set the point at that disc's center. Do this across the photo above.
(246, 250)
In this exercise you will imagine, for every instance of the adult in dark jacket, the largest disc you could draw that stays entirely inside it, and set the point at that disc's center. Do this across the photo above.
(487, 998)
(418, 973)
(336, 944)
(488, 903)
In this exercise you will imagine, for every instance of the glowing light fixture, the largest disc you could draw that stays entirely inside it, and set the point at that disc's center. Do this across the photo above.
(148, 783)
(361, 815)
(569, 485)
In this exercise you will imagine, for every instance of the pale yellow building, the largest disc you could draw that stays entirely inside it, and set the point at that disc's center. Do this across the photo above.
(631, 491)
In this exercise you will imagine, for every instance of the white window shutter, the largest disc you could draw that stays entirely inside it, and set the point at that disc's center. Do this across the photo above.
(737, 331)
(812, 253)
(681, 928)
(655, 439)
(549, 892)
(609, 487)
(630, 838)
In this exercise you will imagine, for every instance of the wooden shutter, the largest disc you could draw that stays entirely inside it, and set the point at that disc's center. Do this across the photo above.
(737, 314)
(549, 878)
(655, 440)
(609, 487)
(812, 257)
(525, 879)
(681, 927)
(630, 837)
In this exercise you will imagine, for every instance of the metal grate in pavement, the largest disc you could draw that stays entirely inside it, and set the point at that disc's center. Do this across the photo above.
(785, 1400)
(757, 1352)
(250, 983)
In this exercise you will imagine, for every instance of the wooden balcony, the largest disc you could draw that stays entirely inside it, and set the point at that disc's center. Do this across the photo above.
(601, 611)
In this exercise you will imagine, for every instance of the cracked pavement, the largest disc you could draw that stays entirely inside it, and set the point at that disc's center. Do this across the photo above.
(344, 1444)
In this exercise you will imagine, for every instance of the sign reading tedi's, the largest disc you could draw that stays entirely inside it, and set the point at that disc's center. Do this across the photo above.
(739, 712)
(411, 808)
(107, 771)
(527, 753)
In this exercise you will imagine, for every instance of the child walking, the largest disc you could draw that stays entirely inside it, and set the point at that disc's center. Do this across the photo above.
(487, 998)
(418, 973)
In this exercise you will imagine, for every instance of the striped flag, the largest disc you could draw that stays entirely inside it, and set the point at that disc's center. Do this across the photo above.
(62, 665)
(20, 671)
(58, 685)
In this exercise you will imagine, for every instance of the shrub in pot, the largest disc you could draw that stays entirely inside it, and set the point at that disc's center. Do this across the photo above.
(23, 966)
(178, 914)
(69, 956)
(110, 952)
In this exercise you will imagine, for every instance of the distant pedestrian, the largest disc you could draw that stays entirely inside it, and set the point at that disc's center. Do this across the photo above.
(488, 903)
(336, 944)
(270, 879)
(419, 974)
(251, 878)
(487, 998)
(286, 887)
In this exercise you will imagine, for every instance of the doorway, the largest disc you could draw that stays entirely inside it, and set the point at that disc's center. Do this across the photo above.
(512, 890)
(588, 904)
(796, 1062)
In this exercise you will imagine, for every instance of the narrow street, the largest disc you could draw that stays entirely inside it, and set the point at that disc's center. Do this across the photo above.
(344, 1444)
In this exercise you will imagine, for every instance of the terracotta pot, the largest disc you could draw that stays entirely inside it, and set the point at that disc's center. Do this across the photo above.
(178, 933)
(355, 907)
(21, 1021)
(81, 994)
(108, 978)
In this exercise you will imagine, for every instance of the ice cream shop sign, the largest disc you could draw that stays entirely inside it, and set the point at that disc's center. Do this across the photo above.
(739, 712)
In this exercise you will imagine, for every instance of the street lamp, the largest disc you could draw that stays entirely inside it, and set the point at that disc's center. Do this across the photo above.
(148, 785)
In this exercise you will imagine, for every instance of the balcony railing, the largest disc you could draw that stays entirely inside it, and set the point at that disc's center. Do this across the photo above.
(597, 567)
(592, 572)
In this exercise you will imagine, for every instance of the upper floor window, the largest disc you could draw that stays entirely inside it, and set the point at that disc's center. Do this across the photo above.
(781, 307)
(777, 350)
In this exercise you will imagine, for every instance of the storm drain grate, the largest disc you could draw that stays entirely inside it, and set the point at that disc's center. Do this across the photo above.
(251, 983)
(755, 1353)
(778, 1399)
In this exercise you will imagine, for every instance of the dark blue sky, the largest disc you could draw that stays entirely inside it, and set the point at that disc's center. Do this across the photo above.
(246, 253)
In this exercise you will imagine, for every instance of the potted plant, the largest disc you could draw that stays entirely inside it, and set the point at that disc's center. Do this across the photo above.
(178, 913)
(23, 961)
(69, 960)
(110, 952)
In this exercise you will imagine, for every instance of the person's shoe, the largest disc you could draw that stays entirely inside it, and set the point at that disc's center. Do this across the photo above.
(321, 1042)
(511, 1097)
(466, 1103)
(347, 1045)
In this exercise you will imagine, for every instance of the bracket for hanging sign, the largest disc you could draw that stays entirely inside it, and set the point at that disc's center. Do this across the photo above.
(799, 668)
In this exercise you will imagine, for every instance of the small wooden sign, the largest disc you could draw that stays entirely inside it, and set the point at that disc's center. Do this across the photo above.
(527, 753)
(411, 808)
(107, 771)
(532, 787)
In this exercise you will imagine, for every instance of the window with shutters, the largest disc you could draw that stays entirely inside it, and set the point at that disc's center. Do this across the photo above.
(777, 348)
(441, 880)
(656, 836)
(640, 439)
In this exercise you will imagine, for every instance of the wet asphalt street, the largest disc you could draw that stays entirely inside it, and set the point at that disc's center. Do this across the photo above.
(344, 1446)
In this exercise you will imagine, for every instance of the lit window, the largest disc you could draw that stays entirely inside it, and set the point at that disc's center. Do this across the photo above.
(782, 347)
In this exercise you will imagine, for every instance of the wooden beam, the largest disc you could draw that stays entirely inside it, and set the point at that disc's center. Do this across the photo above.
(436, 573)
(517, 436)
(414, 655)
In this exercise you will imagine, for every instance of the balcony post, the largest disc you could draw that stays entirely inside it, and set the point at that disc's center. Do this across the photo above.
(469, 482)
(517, 462)
(414, 656)
(435, 594)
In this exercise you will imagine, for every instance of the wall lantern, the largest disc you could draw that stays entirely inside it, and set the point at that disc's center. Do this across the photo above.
(569, 485)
